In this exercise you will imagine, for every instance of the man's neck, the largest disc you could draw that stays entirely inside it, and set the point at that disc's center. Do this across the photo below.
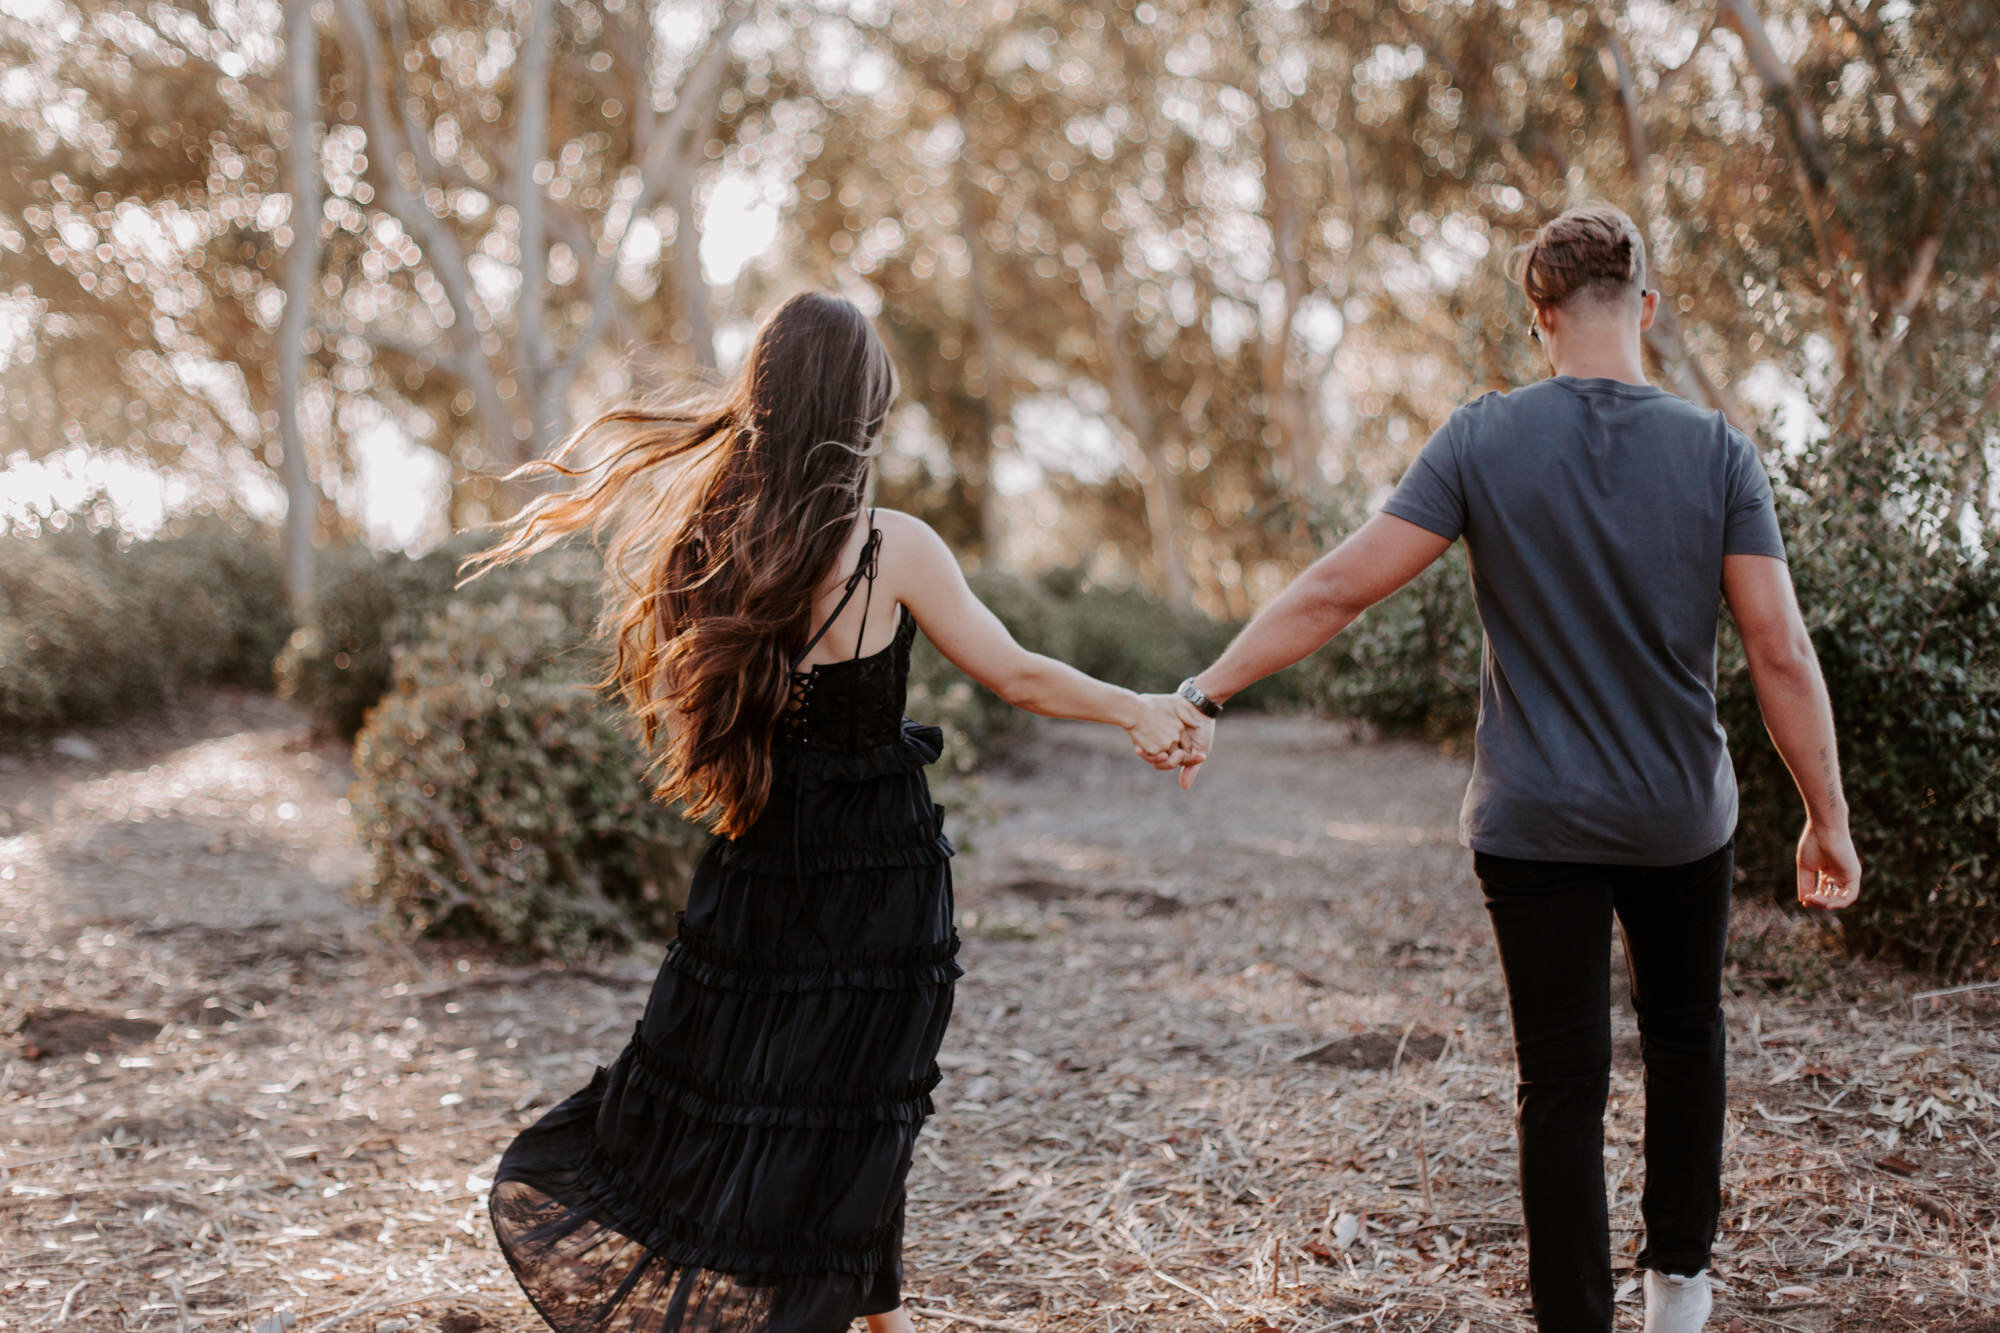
(1610, 354)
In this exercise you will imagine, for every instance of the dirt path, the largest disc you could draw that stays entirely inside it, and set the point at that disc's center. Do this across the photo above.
(226, 1100)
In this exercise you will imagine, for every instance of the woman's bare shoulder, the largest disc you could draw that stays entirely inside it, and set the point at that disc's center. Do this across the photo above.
(909, 531)
(911, 546)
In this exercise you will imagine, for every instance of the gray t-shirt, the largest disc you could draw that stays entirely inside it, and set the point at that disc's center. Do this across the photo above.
(1595, 515)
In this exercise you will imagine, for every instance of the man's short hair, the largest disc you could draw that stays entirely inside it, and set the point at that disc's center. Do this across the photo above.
(1594, 252)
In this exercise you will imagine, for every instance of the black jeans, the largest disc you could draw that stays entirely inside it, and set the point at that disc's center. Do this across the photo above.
(1553, 923)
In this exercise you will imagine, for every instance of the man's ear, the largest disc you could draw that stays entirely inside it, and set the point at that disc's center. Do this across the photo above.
(1649, 306)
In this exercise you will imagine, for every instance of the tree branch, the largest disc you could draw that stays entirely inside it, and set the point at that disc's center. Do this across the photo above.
(441, 248)
(1670, 77)
(672, 153)
(1638, 147)
(1868, 32)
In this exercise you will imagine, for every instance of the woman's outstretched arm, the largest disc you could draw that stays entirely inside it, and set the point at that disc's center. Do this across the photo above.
(926, 578)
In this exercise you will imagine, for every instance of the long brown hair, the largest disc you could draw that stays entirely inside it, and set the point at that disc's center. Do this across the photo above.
(726, 510)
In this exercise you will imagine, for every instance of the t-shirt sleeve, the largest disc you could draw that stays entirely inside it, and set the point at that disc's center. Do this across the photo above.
(1432, 493)
(1751, 524)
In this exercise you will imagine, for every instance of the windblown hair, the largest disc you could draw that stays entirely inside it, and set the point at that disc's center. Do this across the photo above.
(1594, 252)
(726, 510)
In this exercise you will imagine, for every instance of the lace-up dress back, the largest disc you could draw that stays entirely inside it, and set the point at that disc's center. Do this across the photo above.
(739, 1165)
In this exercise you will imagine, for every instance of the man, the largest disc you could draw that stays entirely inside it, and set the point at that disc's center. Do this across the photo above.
(1603, 520)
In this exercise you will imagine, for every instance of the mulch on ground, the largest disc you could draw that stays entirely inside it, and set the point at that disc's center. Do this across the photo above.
(1236, 1059)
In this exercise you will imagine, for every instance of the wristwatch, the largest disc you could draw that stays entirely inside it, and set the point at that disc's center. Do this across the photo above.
(1204, 705)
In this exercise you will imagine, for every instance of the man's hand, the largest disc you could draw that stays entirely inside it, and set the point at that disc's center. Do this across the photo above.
(1829, 871)
(1197, 738)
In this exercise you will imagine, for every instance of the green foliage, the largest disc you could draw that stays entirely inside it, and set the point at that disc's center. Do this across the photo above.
(364, 604)
(1906, 623)
(1410, 664)
(503, 798)
(977, 723)
(1121, 635)
(1130, 638)
(92, 627)
(368, 605)
(216, 600)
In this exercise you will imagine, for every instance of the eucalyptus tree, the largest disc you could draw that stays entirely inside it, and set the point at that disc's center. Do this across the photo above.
(1816, 179)
(137, 215)
(501, 191)
(302, 82)
(1048, 212)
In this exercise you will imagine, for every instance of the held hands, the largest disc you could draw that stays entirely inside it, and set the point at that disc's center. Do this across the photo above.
(1156, 732)
(1172, 735)
(1829, 871)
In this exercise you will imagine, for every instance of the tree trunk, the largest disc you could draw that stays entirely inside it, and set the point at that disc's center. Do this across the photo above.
(1162, 489)
(531, 118)
(989, 386)
(301, 265)
(1288, 403)
(1157, 482)
(688, 276)
(389, 142)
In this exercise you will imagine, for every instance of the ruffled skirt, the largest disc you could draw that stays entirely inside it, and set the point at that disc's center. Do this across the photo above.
(739, 1166)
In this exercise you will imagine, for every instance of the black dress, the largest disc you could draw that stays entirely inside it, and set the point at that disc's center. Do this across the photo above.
(740, 1165)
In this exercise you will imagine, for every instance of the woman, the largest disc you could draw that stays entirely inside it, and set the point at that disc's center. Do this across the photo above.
(1605, 519)
(740, 1165)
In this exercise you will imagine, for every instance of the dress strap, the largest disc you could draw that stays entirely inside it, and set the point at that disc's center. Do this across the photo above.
(866, 570)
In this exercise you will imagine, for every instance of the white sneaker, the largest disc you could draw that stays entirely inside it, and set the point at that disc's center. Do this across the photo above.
(1677, 1304)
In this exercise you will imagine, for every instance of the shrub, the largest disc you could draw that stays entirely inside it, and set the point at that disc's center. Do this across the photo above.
(1410, 664)
(1117, 634)
(1127, 637)
(367, 605)
(218, 602)
(502, 797)
(1906, 622)
(977, 723)
(93, 625)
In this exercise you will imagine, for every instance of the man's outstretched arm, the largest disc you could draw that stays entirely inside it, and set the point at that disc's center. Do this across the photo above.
(1376, 559)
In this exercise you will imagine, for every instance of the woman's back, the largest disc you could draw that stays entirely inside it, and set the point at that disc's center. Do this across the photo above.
(1596, 514)
(851, 700)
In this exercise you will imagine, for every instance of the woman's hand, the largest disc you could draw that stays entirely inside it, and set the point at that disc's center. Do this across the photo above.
(1155, 731)
(1829, 870)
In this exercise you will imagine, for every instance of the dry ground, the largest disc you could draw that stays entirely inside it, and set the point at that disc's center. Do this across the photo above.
(1229, 1060)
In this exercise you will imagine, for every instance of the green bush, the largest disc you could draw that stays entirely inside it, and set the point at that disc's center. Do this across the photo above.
(1410, 664)
(93, 625)
(977, 724)
(368, 605)
(218, 601)
(1906, 623)
(1117, 634)
(1130, 638)
(502, 797)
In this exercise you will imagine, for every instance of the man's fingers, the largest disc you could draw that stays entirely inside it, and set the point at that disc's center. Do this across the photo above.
(1821, 888)
(1188, 771)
